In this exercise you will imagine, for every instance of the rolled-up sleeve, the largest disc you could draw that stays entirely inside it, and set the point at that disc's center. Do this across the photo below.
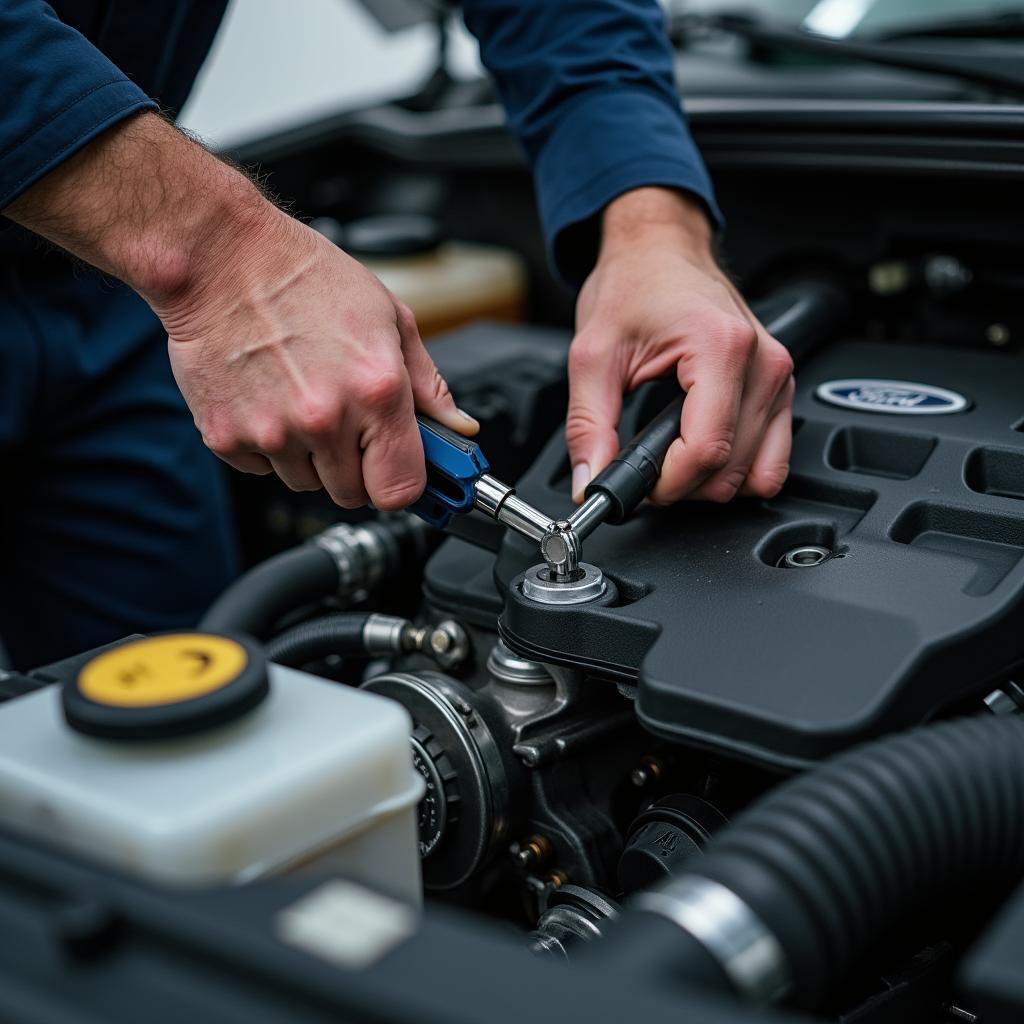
(57, 93)
(590, 91)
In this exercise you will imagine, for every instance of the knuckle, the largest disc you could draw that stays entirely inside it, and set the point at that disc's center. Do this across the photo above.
(385, 388)
(725, 487)
(270, 438)
(317, 418)
(397, 494)
(734, 338)
(300, 486)
(713, 454)
(348, 501)
(720, 492)
(220, 440)
(778, 366)
(767, 482)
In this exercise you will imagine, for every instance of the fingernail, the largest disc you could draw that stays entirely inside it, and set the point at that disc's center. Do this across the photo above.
(580, 479)
(470, 421)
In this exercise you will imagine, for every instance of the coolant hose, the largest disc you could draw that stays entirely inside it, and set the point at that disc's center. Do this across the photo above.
(341, 633)
(257, 599)
(346, 562)
(791, 895)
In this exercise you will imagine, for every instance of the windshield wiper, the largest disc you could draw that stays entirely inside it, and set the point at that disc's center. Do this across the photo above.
(998, 68)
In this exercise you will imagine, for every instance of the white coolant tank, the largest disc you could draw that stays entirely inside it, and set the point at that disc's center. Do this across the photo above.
(315, 775)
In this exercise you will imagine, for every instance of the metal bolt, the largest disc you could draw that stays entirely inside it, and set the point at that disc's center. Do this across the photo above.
(804, 557)
(532, 852)
(447, 642)
(639, 777)
(556, 879)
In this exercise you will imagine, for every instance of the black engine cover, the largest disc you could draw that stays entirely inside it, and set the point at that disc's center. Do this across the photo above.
(918, 605)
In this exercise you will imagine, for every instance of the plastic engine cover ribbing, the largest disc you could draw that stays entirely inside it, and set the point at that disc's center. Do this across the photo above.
(919, 601)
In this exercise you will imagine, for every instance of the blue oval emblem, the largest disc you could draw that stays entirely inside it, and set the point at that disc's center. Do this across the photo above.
(891, 396)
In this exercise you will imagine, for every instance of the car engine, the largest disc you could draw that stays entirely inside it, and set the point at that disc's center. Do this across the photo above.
(760, 761)
(786, 731)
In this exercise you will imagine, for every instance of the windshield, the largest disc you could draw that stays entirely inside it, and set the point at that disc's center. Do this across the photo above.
(850, 18)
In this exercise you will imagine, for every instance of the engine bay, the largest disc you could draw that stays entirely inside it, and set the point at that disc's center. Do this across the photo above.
(760, 759)
(583, 745)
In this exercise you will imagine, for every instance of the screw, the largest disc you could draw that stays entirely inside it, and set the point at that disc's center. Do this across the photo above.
(556, 879)
(532, 852)
(449, 643)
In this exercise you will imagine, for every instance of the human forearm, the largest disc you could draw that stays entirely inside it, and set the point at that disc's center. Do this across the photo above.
(291, 356)
(144, 203)
(648, 213)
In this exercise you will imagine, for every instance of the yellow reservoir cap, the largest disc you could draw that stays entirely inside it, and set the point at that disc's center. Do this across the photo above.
(167, 685)
(162, 670)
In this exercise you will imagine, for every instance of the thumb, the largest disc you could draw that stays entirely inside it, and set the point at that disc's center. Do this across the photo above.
(429, 389)
(595, 403)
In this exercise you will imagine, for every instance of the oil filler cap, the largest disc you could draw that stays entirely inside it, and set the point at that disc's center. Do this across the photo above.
(170, 684)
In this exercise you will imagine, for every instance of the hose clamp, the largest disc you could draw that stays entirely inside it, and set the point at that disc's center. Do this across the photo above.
(362, 554)
(728, 929)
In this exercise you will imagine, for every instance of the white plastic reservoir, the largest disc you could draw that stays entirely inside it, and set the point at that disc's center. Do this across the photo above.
(317, 776)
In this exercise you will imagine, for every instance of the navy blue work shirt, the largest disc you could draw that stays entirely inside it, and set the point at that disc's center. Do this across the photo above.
(588, 86)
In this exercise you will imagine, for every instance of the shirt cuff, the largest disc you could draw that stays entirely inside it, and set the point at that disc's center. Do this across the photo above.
(608, 142)
(74, 126)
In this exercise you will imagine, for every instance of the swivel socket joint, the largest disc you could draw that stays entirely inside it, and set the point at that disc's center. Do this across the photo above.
(560, 548)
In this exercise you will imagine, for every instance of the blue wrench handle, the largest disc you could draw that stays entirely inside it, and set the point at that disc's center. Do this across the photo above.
(454, 465)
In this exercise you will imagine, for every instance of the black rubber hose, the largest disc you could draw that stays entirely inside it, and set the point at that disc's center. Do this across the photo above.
(834, 858)
(258, 599)
(337, 633)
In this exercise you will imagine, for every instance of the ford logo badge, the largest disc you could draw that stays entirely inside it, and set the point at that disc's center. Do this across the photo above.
(891, 396)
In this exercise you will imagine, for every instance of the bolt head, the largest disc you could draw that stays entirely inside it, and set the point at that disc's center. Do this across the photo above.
(554, 548)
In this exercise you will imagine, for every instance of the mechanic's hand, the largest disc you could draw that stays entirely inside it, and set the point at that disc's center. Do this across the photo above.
(291, 356)
(657, 304)
(295, 358)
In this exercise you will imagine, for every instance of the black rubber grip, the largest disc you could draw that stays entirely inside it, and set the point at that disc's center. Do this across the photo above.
(635, 470)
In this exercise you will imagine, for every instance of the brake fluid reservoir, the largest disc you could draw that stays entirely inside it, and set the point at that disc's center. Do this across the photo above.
(181, 758)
